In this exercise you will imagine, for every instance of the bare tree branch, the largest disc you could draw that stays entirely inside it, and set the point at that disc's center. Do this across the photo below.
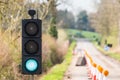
(3, 2)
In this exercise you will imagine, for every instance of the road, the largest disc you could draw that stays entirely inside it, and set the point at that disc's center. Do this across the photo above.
(76, 72)
(80, 72)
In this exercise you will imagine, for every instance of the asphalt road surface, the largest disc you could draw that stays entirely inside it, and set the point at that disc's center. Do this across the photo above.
(76, 72)
(80, 72)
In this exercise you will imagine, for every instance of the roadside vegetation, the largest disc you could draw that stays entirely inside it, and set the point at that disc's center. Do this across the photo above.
(106, 22)
(57, 72)
(110, 53)
(59, 28)
(55, 42)
(95, 38)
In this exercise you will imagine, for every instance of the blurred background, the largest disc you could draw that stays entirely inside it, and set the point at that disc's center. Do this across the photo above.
(62, 22)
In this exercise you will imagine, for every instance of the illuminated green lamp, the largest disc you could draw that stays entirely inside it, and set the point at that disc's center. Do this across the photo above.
(31, 65)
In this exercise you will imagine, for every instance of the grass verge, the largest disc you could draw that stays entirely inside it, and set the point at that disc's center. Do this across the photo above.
(83, 34)
(115, 56)
(57, 72)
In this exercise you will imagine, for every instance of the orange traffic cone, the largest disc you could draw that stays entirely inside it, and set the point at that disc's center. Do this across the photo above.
(105, 73)
(94, 71)
(100, 69)
(94, 77)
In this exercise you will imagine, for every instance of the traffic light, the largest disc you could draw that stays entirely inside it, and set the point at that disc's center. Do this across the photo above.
(31, 46)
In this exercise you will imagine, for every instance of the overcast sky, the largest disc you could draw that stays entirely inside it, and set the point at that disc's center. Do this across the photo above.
(77, 5)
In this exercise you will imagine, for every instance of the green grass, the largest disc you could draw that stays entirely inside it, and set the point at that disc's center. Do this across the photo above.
(93, 36)
(83, 34)
(90, 35)
(115, 56)
(57, 72)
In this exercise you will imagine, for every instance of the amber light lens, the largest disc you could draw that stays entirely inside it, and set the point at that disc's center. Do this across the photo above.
(31, 47)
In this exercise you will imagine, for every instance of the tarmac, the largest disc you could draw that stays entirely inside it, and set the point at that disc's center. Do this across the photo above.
(76, 72)
(80, 72)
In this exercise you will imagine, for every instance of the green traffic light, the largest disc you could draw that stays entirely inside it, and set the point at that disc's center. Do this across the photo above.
(31, 65)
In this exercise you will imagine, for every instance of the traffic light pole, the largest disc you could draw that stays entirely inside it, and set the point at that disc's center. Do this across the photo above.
(32, 77)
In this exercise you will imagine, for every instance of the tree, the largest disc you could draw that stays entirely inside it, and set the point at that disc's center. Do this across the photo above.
(82, 22)
(65, 19)
(52, 29)
(53, 11)
(106, 20)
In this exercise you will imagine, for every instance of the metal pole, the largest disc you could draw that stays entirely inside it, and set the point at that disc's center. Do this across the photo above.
(32, 77)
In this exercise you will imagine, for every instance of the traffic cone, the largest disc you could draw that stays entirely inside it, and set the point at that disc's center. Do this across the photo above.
(100, 69)
(90, 68)
(105, 73)
(89, 72)
(94, 71)
(104, 78)
(97, 74)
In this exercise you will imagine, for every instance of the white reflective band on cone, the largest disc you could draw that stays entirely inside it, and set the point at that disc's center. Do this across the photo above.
(105, 78)
(100, 76)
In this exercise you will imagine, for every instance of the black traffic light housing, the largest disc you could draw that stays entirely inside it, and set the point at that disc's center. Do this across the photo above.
(31, 23)
(31, 46)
